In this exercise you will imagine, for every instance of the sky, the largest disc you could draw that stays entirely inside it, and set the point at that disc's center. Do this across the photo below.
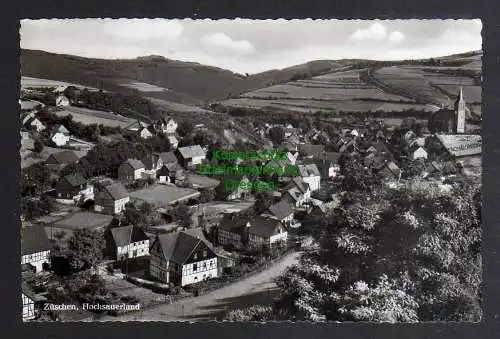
(252, 46)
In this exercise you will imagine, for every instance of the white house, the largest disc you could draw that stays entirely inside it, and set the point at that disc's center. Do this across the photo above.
(418, 152)
(111, 199)
(144, 133)
(167, 126)
(182, 259)
(131, 169)
(297, 192)
(28, 297)
(310, 175)
(191, 155)
(73, 188)
(33, 123)
(35, 247)
(62, 101)
(126, 242)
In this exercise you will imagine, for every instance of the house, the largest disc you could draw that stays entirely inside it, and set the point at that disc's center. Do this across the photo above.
(130, 170)
(233, 187)
(74, 187)
(167, 126)
(418, 152)
(62, 158)
(111, 199)
(126, 242)
(190, 156)
(182, 259)
(62, 101)
(297, 192)
(390, 171)
(282, 211)
(136, 126)
(255, 231)
(311, 151)
(35, 247)
(151, 164)
(174, 143)
(33, 124)
(60, 89)
(310, 175)
(28, 297)
(144, 133)
(330, 164)
(60, 136)
(166, 158)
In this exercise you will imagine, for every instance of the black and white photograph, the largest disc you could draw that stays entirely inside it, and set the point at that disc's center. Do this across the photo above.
(242, 170)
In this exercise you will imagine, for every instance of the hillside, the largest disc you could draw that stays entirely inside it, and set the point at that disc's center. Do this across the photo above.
(370, 86)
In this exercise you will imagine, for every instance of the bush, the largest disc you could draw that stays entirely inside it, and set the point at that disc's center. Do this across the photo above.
(253, 313)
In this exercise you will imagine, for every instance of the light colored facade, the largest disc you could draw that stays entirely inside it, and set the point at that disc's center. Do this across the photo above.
(62, 101)
(36, 125)
(313, 181)
(170, 127)
(116, 207)
(36, 259)
(60, 139)
(419, 153)
(144, 133)
(133, 250)
(28, 308)
(199, 271)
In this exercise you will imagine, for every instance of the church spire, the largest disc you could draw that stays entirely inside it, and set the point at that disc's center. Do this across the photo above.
(461, 94)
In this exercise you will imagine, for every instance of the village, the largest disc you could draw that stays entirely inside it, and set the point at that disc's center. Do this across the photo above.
(143, 226)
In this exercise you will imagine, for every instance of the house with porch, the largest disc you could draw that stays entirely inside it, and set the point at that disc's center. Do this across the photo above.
(182, 259)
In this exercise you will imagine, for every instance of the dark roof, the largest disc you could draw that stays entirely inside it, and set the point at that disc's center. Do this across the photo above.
(34, 240)
(233, 223)
(126, 234)
(134, 163)
(27, 291)
(263, 226)
(167, 157)
(117, 191)
(281, 209)
(63, 157)
(380, 146)
(309, 170)
(75, 179)
(298, 183)
(189, 152)
(332, 156)
(150, 161)
(179, 246)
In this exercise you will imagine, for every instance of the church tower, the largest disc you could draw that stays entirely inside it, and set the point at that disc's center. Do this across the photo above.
(460, 113)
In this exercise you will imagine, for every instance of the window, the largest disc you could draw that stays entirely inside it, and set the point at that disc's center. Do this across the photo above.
(195, 267)
(204, 253)
(195, 256)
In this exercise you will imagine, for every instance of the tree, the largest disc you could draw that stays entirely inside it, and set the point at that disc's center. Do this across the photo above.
(277, 135)
(185, 127)
(86, 248)
(263, 200)
(38, 146)
(207, 195)
(181, 214)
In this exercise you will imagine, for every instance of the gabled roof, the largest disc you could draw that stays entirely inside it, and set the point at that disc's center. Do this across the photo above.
(179, 246)
(281, 209)
(308, 170)
(34, 240)
(233, 223)
(116, 191)
(63, 157)
(299, 184)
(189, 152)
(150, 161)
(262, 226)
(380, 146)
(62, 129)
(167, 157)
(332, 156)
(127, 234)
(75, 179)
(134, 163)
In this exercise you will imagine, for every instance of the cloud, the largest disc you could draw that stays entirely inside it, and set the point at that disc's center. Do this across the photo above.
(143, 29)
(375, 32)
(224, 41)
(396, 37)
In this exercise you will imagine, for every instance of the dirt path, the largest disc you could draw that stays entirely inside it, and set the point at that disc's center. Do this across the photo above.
(255, 289)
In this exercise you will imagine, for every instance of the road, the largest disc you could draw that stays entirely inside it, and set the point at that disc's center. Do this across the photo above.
(255, 289)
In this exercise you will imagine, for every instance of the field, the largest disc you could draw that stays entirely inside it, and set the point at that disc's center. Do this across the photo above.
(200, 181)
(162, 195)
(29, 159)
(142, 86)
(83, 220)
(87, 117)
(462, 145)
(27, 82)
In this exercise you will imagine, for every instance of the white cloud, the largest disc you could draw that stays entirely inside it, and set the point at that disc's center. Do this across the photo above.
(375, 32)
(142, 29)
(224, 41)
(396, 37)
